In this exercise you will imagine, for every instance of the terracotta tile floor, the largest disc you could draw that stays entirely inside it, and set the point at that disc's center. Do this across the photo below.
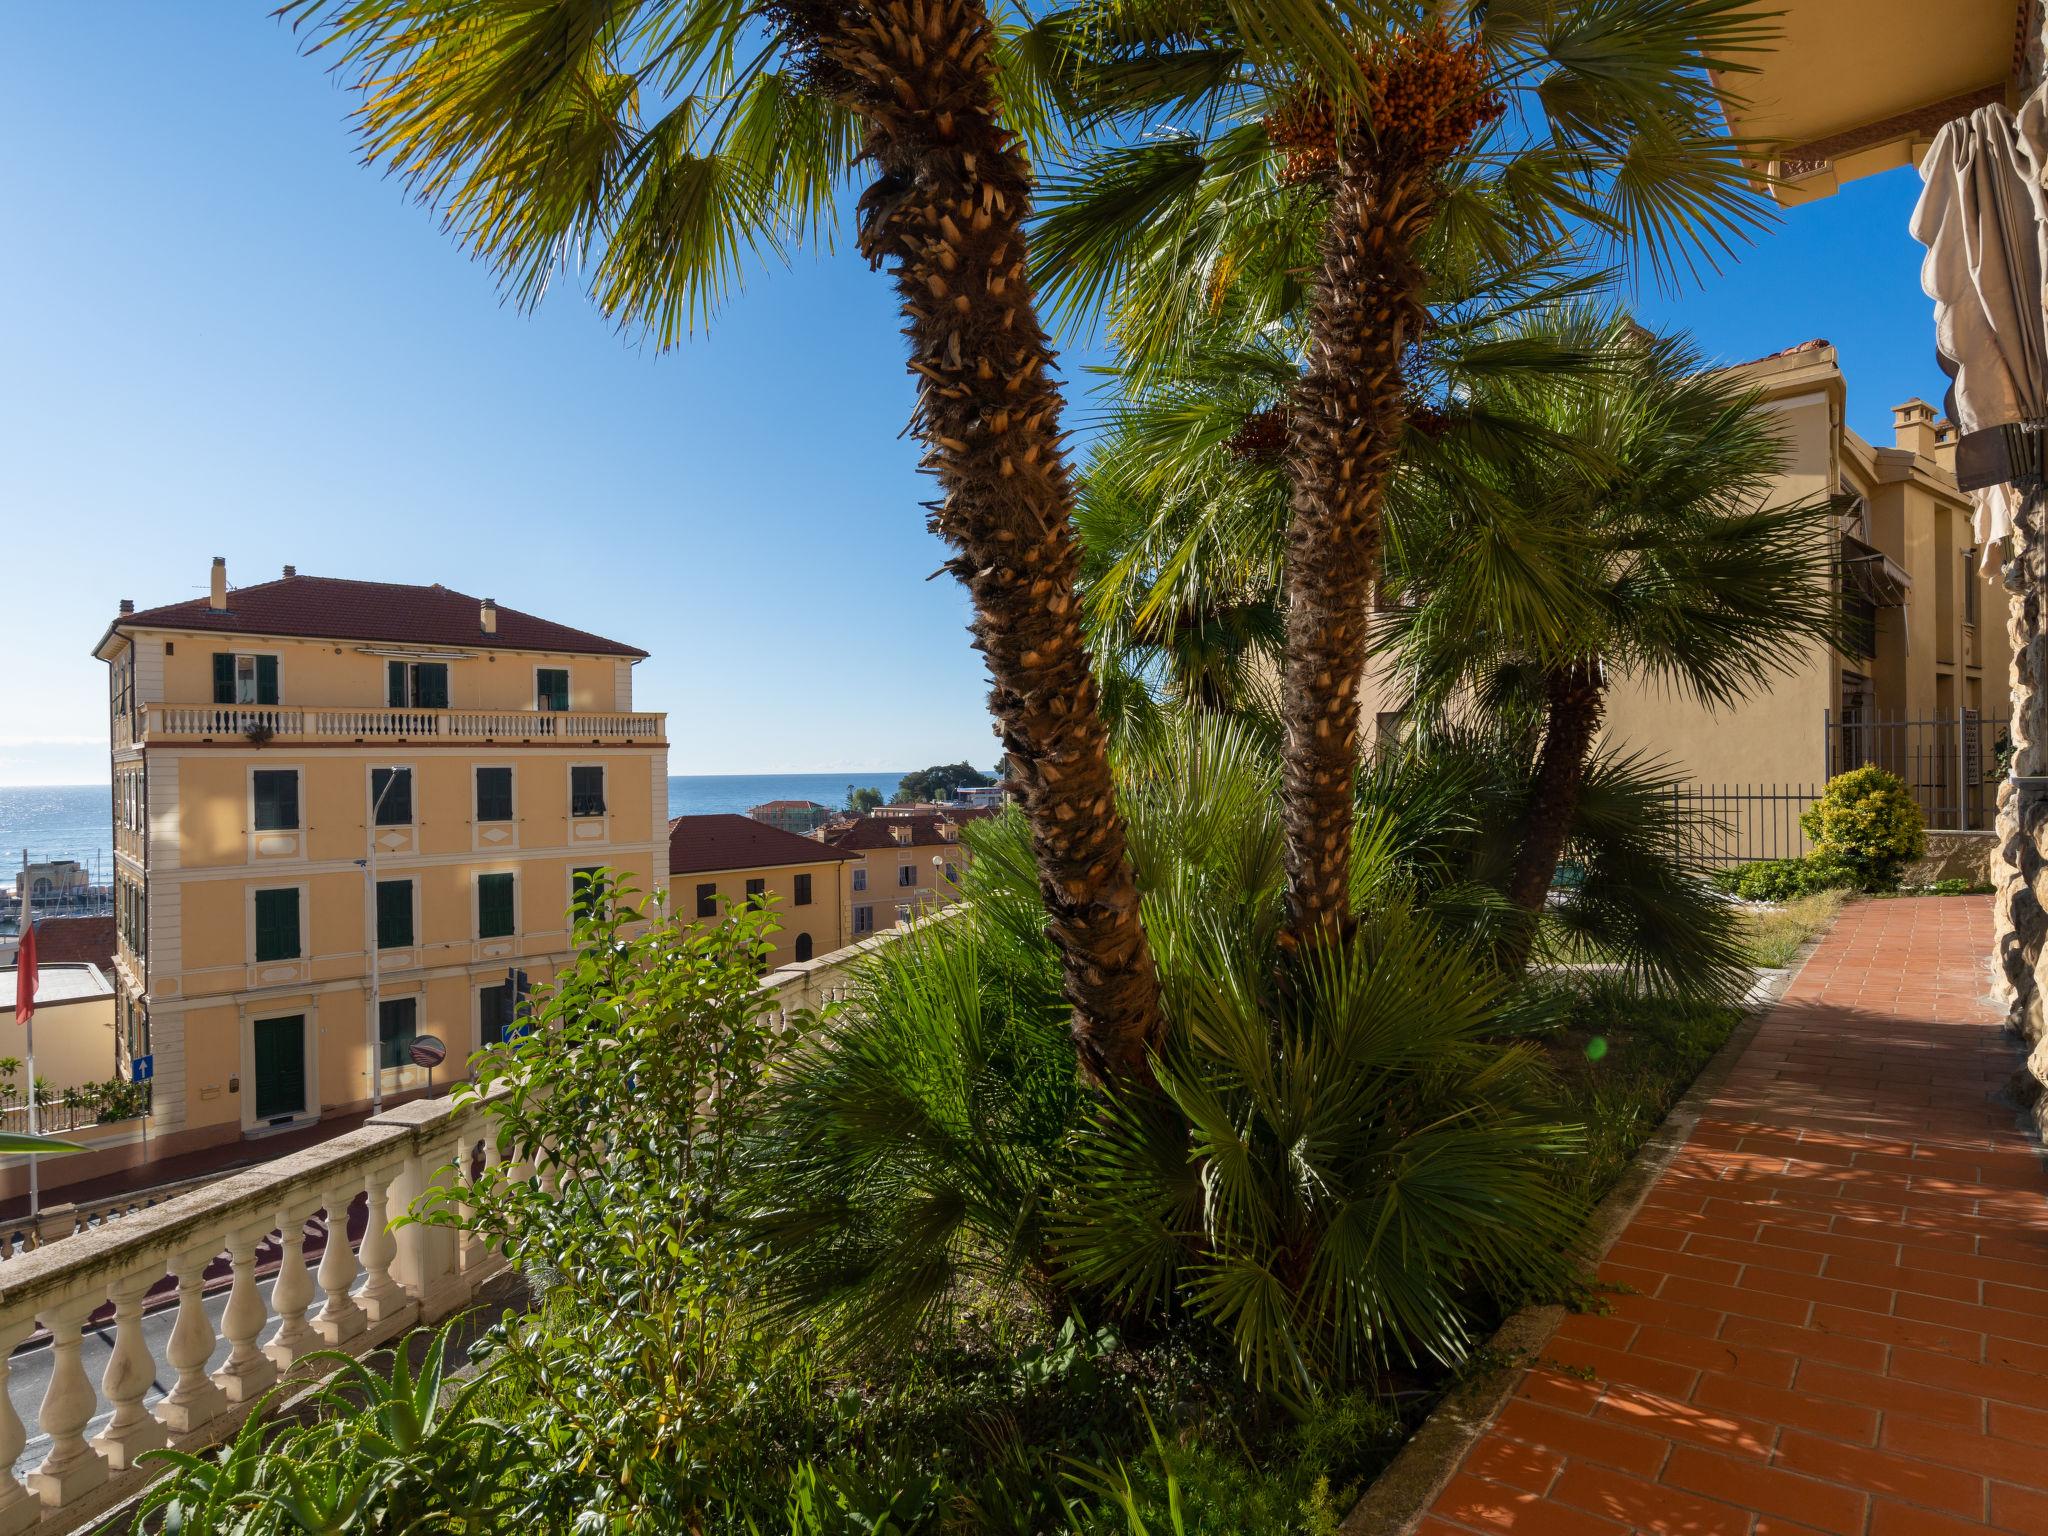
(1837, 1318)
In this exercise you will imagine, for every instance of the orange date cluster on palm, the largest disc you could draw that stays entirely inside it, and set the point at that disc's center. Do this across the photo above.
(1262, 439)
(1426, 94)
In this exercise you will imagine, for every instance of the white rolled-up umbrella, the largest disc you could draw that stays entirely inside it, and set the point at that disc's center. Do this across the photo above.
(1983, 216)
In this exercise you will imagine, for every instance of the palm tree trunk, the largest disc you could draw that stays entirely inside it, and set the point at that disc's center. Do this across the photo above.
(1576, 702)
(948, 210)
(1345, 421)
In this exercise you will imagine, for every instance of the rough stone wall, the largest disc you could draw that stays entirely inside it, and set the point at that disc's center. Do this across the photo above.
(2020, 866)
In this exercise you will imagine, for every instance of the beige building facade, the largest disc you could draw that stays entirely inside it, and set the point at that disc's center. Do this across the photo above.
(718, 863)
(309, 773)
(907, 860)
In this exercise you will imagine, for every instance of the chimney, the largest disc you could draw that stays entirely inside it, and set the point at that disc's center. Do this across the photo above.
(217, 596)
(490, 616)
(127, 605)
(291, 570)
(1913, 427)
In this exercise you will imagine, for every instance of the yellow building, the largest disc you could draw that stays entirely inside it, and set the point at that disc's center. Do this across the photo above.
(715, 863)
(907, 859)
(1922, 687)
(311, 771)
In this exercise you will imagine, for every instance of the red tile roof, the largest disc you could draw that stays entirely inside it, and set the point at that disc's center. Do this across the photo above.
(71, 940)
(789, 805)
(697, 844)
(332, 608)
(879, 831)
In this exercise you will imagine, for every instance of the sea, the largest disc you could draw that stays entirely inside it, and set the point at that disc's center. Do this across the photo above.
(75, 821)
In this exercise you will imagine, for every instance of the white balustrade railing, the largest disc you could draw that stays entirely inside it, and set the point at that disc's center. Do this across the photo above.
(151, 1280)
(159, 722)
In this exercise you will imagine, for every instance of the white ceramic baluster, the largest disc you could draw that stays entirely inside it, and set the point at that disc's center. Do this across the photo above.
(292, 1293)
(340, 1319)
(247, 1372)
(381, 1296)
(193, 1399)
(72, 1467)
(130, 1370)
(19, 1509)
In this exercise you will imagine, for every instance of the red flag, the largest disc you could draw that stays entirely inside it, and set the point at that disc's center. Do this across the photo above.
(25, 971)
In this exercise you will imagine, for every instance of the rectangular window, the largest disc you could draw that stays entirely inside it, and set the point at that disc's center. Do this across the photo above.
(494, 906)
(952, 875)
(398, 1025)
(902, 911)
(803, 890)
(394, 914)
(586, 791)
(494, 1010)
(416, 685)
(863, 919)
(391, 794)
(277, 924)
(860, 878)
(244, 679)
(707, 899)
(906, 874)
(756, 889)
(587, 890)
(494, 794)
(277, 799)
(551, 688)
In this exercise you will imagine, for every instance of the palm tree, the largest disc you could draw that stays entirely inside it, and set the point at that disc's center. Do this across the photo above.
(1482, 130)
(668, 142)
(1534, 580)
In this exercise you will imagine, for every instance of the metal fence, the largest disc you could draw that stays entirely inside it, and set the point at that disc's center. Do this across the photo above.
(1725, 824)
(1952, 765)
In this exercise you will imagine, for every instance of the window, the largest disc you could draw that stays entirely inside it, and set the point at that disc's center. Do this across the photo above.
(860, 877)
(803, 890)
(138, 1030)
(586, 890)
(707, 899)
(494, 794)
(494, 1013)
(277, 799)
(902, 911)
(394, 914)
(244, 679)
(803, 946)
(952, 875)
(416, 685)
(398, 1025)
(494, 906)
(586, 790)
(551, 688)
(863, 919)
(906, 874)
(277, 924)
(756, 889)
(391, 794)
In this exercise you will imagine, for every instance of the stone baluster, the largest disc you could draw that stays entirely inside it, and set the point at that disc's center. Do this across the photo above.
(340, 1319)
(72, 1467)
(426, 1263)
(471, 1252)
(193, 1399)
(130, 1369)
(293, 1291)
(247, 1372)
(381, 1296)
(19, 1509)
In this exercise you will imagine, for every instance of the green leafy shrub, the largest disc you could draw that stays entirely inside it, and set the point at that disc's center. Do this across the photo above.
(1867, 822)
(1783, 879)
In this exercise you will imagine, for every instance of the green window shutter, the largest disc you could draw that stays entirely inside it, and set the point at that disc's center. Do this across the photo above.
(394, 809)
(494, 894)
(277, 925)
(398, 1025)
(394, 914)
(588, 886)
(266, 679)
(394, 684)
(277, 799)
(223, 677)
(586, 791)
(430, 685)
(494, 794)
(553, 688)
(803, 890)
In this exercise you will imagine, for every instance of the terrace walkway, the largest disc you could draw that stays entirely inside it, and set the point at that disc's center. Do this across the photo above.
(1837, 1318)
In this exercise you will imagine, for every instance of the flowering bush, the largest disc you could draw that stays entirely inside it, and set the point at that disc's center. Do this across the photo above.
(1867, 822)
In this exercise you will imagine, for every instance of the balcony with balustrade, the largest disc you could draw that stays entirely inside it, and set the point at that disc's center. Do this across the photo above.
(198, 723)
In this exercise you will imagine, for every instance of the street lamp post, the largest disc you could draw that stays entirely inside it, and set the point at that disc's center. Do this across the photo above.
(368, 864)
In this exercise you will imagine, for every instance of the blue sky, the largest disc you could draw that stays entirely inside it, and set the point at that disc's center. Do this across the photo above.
(221, 334)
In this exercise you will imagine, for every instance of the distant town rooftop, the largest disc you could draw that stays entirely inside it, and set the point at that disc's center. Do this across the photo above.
(335, 608)
(700, 844)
